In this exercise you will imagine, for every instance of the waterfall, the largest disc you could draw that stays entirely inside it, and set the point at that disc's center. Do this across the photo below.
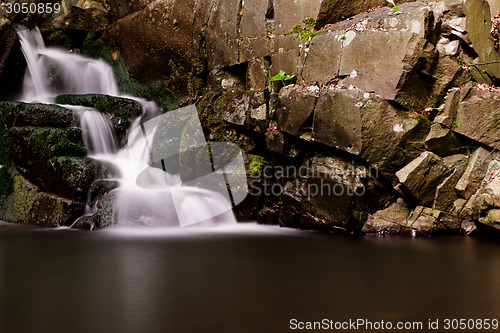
(147, 195)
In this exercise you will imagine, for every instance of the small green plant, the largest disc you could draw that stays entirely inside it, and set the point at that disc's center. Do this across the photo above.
(395, 8)
(281, 76)
(454, 126)
(306, 32)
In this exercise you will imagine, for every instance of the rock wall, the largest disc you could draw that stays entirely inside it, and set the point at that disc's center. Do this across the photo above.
(386, 122)
(391, 118)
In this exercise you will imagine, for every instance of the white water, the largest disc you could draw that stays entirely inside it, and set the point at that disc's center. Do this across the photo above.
(160, 199)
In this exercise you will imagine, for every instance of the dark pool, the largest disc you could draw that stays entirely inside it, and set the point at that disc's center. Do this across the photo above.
(237, 279)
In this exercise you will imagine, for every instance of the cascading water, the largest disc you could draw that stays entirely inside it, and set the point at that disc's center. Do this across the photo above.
(146, 195)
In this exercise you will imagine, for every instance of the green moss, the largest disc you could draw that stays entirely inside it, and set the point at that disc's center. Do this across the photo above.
(121, 107)
(454, 126)
(306, 32)
(256, 165)
(309, 22)
(6, 182)
(61, 37)
(46, 143)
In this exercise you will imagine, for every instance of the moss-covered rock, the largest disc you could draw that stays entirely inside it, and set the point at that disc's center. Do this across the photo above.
(34, 114)
(118, 106)
(38, 152)
(29, 205)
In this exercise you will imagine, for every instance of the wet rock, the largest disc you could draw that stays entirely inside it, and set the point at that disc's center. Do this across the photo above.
(389, 221)
(296, 105)
(442, 141)
(104, 215)
(337, 187)
(100, 187)
(492, 218)
(43, 115)
(118, 106)
(41, 155)
(30, 205)
(421, 177)
(424, 221)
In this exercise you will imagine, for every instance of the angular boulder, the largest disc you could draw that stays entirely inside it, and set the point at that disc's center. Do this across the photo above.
(297, 103)
(478, 117)
(421, 177)
(368, 126)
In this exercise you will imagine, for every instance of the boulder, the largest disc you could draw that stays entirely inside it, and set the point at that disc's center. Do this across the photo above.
(484, 205)
(421, 177)
(297, 103)
(478, 117)
(389, 221)
(475, 172)
(367, 125)
(27, 204)
(449, 113)
(446, 195)
(118, 106)
(257, 74)
(336, 188)
(478, 26)
(338, 119)
(236, 111)
(42, 115)
(275, 142)
(442, 141)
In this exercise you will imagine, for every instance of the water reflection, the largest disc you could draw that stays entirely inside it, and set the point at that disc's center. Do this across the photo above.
(239, 279)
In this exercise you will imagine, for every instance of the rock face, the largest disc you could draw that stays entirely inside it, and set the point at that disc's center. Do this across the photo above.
(383, 123)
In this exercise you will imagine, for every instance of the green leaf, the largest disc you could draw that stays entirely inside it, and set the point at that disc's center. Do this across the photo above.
(395, 9)
(278, 77)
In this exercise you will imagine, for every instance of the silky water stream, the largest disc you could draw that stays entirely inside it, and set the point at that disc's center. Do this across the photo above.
(147, 195)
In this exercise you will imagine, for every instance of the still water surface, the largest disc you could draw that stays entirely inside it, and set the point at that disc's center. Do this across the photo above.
(245, 278)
